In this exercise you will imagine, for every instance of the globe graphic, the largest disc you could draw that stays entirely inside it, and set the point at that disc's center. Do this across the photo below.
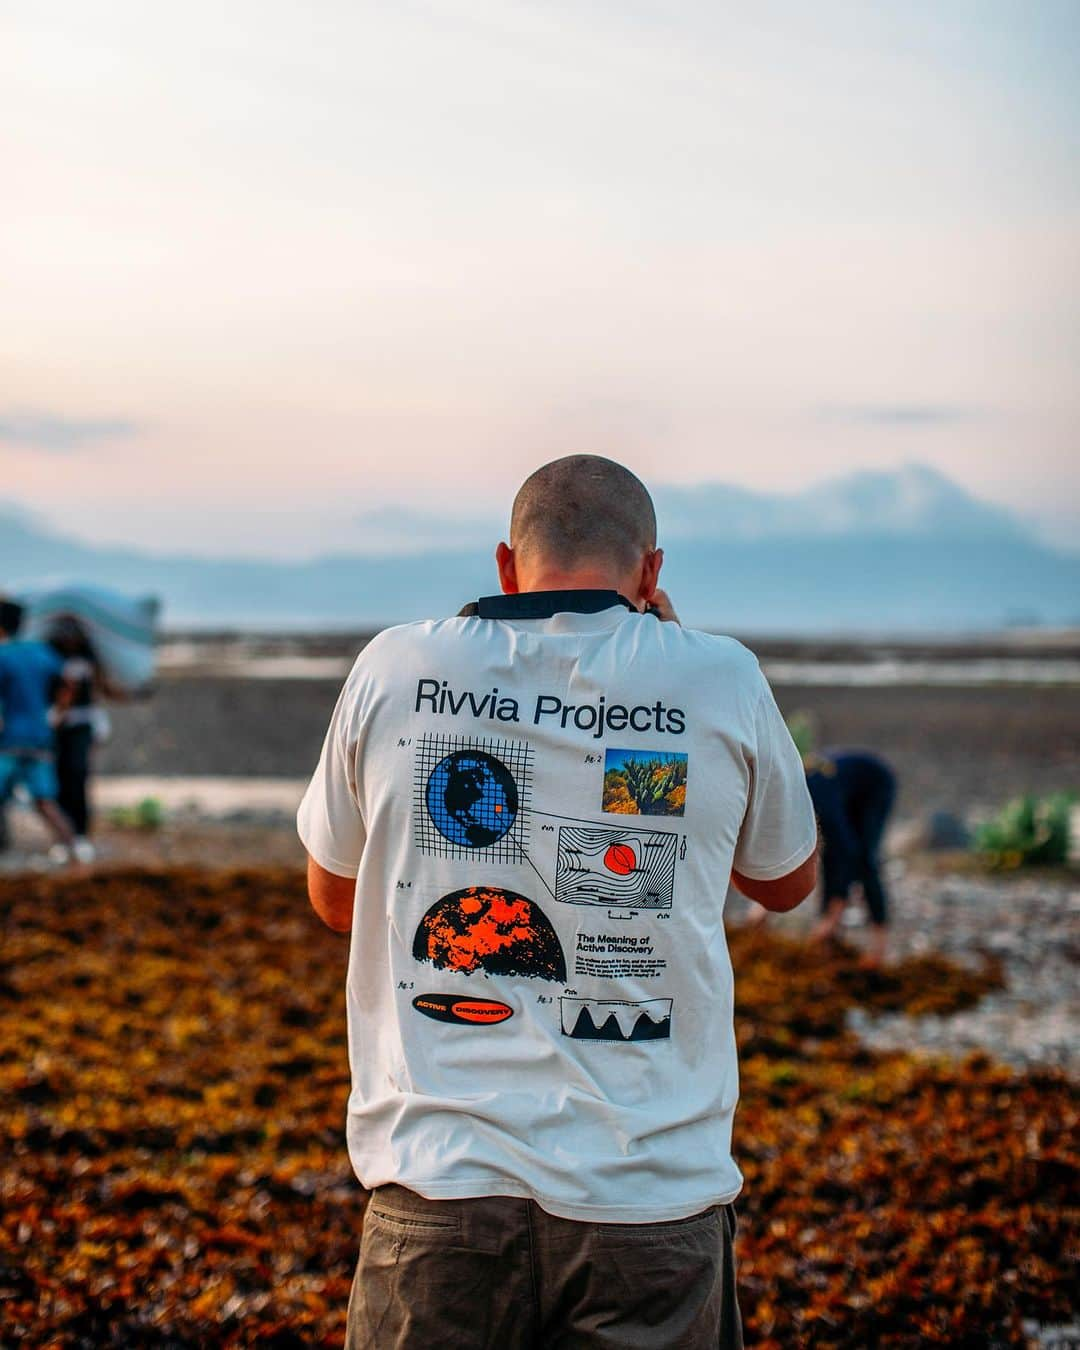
(472, 798)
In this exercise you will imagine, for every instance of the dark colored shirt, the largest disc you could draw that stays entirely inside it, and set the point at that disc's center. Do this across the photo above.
(852, 791)
(28, 674)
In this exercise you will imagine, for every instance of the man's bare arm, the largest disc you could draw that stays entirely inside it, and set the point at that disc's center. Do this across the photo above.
(783, 893)
(331, 896)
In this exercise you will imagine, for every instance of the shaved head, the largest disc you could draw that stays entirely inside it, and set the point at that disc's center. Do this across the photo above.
(583, 509)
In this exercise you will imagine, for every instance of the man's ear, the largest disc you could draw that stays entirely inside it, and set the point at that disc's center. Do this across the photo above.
(504, 559)
(650, 574)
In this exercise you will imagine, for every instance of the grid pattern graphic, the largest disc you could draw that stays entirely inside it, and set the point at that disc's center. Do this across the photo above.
(470, 821)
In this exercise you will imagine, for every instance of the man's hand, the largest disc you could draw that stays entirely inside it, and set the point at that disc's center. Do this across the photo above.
(662, 607)
(331, 896)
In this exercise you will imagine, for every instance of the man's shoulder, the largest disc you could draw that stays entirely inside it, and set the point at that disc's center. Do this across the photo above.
(26, 652)
(419, 630)
(670, 643)
(718, 645)
(401, 640)
(710, 651)
(48, 657)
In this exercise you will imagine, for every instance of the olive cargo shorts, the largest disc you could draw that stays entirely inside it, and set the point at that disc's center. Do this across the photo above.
(499, 1273)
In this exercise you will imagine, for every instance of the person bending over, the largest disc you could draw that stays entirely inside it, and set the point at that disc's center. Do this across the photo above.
(853, 793)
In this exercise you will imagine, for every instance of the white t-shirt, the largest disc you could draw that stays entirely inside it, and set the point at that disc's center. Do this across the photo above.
(542, 816)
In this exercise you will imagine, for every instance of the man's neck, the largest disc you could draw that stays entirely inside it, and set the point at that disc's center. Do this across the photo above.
(553, 580)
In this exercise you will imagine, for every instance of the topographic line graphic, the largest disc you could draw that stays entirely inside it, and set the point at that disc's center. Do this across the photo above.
(613, 865)
(596, 1019)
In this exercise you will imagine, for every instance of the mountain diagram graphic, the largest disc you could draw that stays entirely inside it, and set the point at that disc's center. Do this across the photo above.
(593, 1019)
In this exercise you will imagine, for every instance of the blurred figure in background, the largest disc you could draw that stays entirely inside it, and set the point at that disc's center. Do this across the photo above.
(853, 793)
(79, 722)
(31, 680)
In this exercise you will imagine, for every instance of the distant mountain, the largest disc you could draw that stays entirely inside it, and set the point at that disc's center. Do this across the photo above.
(912, 501)
(909, 551)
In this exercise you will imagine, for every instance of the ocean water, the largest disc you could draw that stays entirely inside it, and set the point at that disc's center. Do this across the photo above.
(246, 659)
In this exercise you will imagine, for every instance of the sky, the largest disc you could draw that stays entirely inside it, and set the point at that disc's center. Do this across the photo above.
(273, 267)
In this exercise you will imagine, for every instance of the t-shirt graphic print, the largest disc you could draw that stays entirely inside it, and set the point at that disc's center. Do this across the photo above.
(542, 816)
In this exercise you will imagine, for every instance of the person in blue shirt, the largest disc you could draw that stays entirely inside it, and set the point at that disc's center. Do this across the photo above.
(853, 793)
(31, 679)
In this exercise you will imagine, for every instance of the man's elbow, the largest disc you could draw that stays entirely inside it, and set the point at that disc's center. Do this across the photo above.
(334, 919)
(331, 897)
(782, 893)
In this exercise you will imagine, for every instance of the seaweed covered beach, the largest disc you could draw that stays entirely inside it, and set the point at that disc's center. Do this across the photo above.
(173, 1084)
(173, 1072)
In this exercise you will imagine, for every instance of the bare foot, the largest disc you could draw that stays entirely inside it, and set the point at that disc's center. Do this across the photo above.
(874, 956)
(826, 927)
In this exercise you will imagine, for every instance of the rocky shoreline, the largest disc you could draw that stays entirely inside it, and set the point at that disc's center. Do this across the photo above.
(1028, 923)
(1031, 925)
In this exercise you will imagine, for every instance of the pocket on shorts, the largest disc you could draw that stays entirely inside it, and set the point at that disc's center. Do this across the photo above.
(418, 1282)
(413, 1223)
(653, 1234)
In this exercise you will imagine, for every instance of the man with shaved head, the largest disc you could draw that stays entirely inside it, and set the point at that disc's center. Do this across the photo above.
(527, 818)
(583, 510)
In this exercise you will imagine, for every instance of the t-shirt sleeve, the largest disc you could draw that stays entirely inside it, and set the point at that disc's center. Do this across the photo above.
(329, 821)
(779, 831)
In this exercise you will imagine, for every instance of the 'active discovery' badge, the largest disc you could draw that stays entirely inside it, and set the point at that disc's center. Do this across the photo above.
(464, 1011)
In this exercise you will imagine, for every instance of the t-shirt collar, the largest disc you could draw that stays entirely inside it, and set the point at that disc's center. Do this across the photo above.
(546, 604)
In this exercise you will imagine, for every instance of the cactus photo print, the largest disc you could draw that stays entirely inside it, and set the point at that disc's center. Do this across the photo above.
(644, 783)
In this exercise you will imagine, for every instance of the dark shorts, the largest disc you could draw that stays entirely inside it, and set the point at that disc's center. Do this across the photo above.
(500, 1273)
